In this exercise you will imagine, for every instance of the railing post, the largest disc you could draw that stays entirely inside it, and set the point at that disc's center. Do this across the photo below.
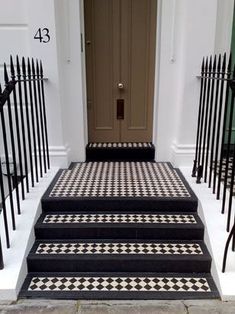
(202, 126)
(194, 171)
(1, 256)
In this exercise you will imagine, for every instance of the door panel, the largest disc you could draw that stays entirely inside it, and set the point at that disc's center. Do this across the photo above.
(120, 37)
(102, 55)
(138, 50)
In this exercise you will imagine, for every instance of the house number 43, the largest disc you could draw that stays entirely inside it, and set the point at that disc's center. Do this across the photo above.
(43, 35)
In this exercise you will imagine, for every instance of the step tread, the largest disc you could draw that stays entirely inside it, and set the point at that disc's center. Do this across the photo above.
(138, 179)
(119, 286)
(115, 247)
(118, 145)
(117, 218)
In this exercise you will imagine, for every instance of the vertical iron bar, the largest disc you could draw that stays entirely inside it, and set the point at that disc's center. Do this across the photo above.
(218, 131)
(17, 129)
(22, 123)
(231, 192)
(198, 123)
(228, 145)
(12, 137)
(7, 165)
(226, 248)
(199, 175)
(4, 210)
(41, 115)
(1, 257)
(37, 116)
(232, 84)
(27, 120)
(206, 118)
(210, 119)
(44, 114)
(32, 120)
(224, 127)
(214, 120)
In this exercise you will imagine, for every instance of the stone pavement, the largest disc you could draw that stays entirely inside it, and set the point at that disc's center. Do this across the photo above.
(117, 307)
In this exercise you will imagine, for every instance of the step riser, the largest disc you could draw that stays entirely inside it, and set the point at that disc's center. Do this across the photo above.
(120, 233)
(139, 205)
(94, 154)
(111, 265)
(146, 295)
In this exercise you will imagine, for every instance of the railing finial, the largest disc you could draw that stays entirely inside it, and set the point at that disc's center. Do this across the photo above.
(33, 68)
(23, 67)
(6, 78)
(41, 68)
(203, 66)
(210, 64)
(37, 67)
(12, 68)
(206, 64)
(224, 62)
(29, 68)
(18, 67)
(214, 64)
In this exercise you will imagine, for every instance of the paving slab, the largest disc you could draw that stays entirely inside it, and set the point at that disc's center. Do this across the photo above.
(40, 306)
(117, 307)
(209, 307)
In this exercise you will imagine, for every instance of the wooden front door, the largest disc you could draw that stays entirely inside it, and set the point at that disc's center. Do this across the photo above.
(120, 65)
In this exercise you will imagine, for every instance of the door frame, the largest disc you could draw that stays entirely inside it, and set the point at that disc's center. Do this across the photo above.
(156, 76)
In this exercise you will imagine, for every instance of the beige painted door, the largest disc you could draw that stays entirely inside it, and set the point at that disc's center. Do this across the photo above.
(120, 50)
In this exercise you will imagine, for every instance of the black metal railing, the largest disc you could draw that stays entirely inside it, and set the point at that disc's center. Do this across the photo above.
(215, 149)
(23, 135)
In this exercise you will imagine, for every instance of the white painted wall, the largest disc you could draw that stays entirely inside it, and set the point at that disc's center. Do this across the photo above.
(13, 33)
(189, 30)
(224, 21)
(13, 30)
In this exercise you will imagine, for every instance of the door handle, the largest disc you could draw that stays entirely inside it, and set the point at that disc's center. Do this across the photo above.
(120, 109)
(120, 85)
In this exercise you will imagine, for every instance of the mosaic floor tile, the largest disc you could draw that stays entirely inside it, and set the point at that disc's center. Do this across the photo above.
(120, 179)
(119, 218)
(120, 248)
(120, 145)
(167, 284)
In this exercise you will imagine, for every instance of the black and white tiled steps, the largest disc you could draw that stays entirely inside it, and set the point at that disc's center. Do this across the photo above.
(123, 186)
(106, 286)
(120, 151)
(119, 225)
(126, 256)
(119, 230)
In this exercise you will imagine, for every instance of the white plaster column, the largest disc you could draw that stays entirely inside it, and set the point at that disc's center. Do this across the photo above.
(71, 63)
(41, 14)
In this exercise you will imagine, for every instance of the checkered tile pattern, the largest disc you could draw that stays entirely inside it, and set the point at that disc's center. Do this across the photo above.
(120, 145)
(119, 218)
(130, 284)
(120, 248)
(120, 179)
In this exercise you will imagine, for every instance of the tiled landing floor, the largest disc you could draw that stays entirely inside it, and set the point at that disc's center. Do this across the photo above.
(121, 179)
